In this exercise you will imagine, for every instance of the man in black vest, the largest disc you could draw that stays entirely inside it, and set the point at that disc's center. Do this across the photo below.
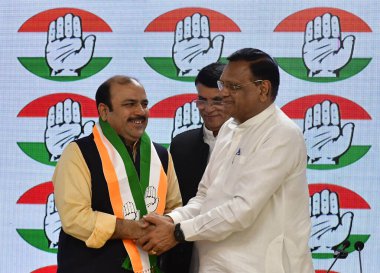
(105, 182)
(191, 150)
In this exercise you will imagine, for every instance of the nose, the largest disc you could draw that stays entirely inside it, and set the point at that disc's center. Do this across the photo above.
(140, 109)
(209, 108)
(224, 91)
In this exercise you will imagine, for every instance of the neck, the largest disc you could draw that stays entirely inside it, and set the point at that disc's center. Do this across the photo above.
(129, 143)
(131, 146)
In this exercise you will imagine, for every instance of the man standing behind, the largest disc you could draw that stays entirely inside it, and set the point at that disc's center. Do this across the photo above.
(191, 150)
(105, 182)
(251, 211)
(196, 145)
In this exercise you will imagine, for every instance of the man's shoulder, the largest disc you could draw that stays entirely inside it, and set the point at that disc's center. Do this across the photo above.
(85, 140)
(287, 125)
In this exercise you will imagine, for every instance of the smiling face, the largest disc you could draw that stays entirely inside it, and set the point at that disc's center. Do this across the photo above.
(213, 115)
(249, 100)
(129, 115)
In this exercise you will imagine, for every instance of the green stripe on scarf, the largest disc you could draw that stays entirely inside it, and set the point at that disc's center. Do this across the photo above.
(137, 186)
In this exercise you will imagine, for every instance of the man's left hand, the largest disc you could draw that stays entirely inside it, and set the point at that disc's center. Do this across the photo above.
(161, 238)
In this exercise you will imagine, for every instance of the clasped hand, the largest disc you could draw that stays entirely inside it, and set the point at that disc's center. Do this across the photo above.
(158, 234)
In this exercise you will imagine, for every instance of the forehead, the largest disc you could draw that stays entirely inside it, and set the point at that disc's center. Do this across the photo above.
(207, 92)
(236, 71)
(130, 91)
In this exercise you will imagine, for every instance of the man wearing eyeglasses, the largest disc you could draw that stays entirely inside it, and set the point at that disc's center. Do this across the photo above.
(191, 150)
(251, 211)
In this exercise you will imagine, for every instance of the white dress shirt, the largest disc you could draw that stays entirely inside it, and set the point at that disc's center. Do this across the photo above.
(251, 211)
(209, 139)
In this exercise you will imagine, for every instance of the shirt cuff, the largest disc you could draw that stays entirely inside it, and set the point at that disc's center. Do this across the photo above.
(188, 230)
(176, 216)
(104, 228)
(186, 225)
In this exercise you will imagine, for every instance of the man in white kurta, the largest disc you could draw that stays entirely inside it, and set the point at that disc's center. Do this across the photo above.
(251, 211)
(248, 215)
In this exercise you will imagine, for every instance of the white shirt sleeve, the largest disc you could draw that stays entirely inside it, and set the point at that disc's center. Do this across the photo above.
(279, 156)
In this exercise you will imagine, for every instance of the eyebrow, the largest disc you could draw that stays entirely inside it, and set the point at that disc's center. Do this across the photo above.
(135, 101)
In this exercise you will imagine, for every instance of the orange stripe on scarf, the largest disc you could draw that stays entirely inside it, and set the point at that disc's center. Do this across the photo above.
(162, 190)
(114, 191)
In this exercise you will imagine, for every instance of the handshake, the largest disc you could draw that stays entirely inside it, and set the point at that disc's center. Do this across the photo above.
(153, 233)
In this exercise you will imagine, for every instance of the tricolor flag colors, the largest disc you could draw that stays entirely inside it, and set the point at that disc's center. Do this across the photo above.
(350, 24)
(37, 196)
(38, 110)
(349, 112)
(41, 64)
(166, 23)
(348, 201)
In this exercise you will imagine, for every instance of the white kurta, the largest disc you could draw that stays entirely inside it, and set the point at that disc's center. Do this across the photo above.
(251, 211)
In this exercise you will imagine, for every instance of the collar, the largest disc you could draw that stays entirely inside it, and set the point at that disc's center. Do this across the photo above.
(259, 118)
(209, 139)
(208, 135)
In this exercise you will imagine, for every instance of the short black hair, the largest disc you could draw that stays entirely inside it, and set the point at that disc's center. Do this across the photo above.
(103, 94)
(210, 74)
(262, 66)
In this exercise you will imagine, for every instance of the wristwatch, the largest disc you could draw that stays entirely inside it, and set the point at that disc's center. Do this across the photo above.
(178, 234)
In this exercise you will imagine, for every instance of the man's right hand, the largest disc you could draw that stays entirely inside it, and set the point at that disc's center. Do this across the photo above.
(160, 238)
(130, 229)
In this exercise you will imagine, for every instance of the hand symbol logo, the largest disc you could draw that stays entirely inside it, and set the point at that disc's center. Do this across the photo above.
(64, 124)
(151, 199)
(52, 222)
(130, 211)
(66, 52)
(324, 52)
(193, 48)
(187, 117)
(325, 138)
(329, 228)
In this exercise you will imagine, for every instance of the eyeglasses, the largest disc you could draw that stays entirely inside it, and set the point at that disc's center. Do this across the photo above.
(201, 104)
(234, 87)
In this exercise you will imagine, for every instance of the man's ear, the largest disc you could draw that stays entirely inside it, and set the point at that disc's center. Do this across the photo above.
(265, 90)
(103, 111)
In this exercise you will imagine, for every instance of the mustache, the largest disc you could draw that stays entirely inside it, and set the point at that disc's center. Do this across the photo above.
(137, 118)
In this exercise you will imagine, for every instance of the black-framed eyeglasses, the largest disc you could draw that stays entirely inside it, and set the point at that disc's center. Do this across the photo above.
(201, 104)
(234, 87)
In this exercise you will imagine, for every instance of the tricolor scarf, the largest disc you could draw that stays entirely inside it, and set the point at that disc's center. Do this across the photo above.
(131, 197)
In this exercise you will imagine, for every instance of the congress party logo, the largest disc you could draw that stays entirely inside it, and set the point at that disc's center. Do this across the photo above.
(332, 127)
(66, 50)
(327, 48)
(337, 214)
(54, 121)
(172, 116)
(46, 269)
(195, 41)
(47, 225)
